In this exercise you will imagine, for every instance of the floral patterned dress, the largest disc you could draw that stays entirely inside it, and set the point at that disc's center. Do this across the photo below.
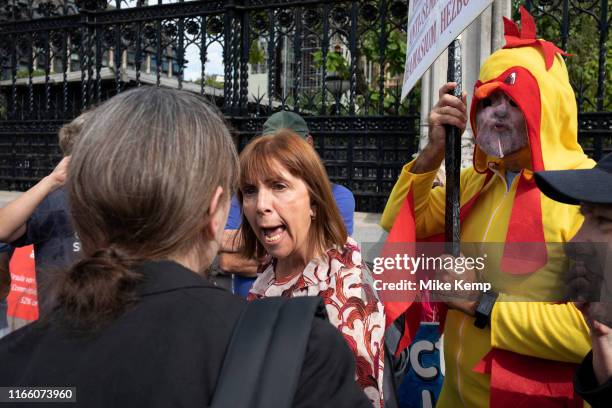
(352, 305)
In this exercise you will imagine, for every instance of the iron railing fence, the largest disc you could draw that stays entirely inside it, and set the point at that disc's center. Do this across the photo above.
(582, 28)
(322, 59)
(338, 63)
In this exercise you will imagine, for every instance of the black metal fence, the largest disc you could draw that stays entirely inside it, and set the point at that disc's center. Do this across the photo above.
(338, 63)
(582, 28)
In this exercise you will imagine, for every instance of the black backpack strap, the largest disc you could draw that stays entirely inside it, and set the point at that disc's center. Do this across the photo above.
(283, 368)
(395, 366)
(264, 359)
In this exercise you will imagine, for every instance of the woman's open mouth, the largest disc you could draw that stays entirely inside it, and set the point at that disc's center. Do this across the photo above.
(273, 234)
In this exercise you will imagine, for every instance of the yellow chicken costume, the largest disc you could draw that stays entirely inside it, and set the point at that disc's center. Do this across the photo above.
(533, 73)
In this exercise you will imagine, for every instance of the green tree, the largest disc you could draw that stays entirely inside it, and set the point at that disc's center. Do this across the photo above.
(24, 73)
(336, 63)
(211, 81)
(256, 54)
(369, 51)
(395, 50)
(583, 44)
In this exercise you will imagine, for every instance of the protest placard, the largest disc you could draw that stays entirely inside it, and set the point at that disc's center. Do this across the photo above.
(432, 26)
(23, 297)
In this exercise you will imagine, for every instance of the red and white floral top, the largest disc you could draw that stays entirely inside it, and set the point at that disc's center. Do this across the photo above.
(351, 302)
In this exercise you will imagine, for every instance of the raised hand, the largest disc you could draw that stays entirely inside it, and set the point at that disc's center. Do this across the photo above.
(449, 110)
(58, 176)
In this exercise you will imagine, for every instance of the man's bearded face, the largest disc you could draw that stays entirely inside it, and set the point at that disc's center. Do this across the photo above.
(590, 276)
(501, 127)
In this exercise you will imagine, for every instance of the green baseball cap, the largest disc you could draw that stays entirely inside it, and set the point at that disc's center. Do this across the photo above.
(286, 120)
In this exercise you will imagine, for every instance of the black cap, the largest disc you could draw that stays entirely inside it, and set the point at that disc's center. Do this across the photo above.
(576, 186)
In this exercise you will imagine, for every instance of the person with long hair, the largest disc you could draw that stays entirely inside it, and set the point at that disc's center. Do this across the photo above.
(135, 323)
(290, 214)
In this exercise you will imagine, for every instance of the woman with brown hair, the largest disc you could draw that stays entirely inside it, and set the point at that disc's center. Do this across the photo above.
(292, 216)
(135, 324)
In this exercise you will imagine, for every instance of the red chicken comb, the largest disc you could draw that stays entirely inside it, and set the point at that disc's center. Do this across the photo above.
(525, 37)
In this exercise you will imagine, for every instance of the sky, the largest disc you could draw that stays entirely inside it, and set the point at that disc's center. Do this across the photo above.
(214, 65)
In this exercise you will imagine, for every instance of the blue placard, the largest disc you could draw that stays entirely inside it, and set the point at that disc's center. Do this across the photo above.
(423, 381)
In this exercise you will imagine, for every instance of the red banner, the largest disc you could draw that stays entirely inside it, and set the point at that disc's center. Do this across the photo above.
(23, 298)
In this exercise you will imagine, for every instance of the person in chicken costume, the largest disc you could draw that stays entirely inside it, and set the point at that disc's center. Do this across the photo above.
(524, 117)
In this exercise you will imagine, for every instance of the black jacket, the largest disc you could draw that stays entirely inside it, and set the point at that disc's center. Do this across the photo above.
(165, 351)
(586, 385)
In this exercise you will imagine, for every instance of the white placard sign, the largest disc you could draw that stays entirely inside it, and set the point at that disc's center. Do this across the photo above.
(432, 26)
